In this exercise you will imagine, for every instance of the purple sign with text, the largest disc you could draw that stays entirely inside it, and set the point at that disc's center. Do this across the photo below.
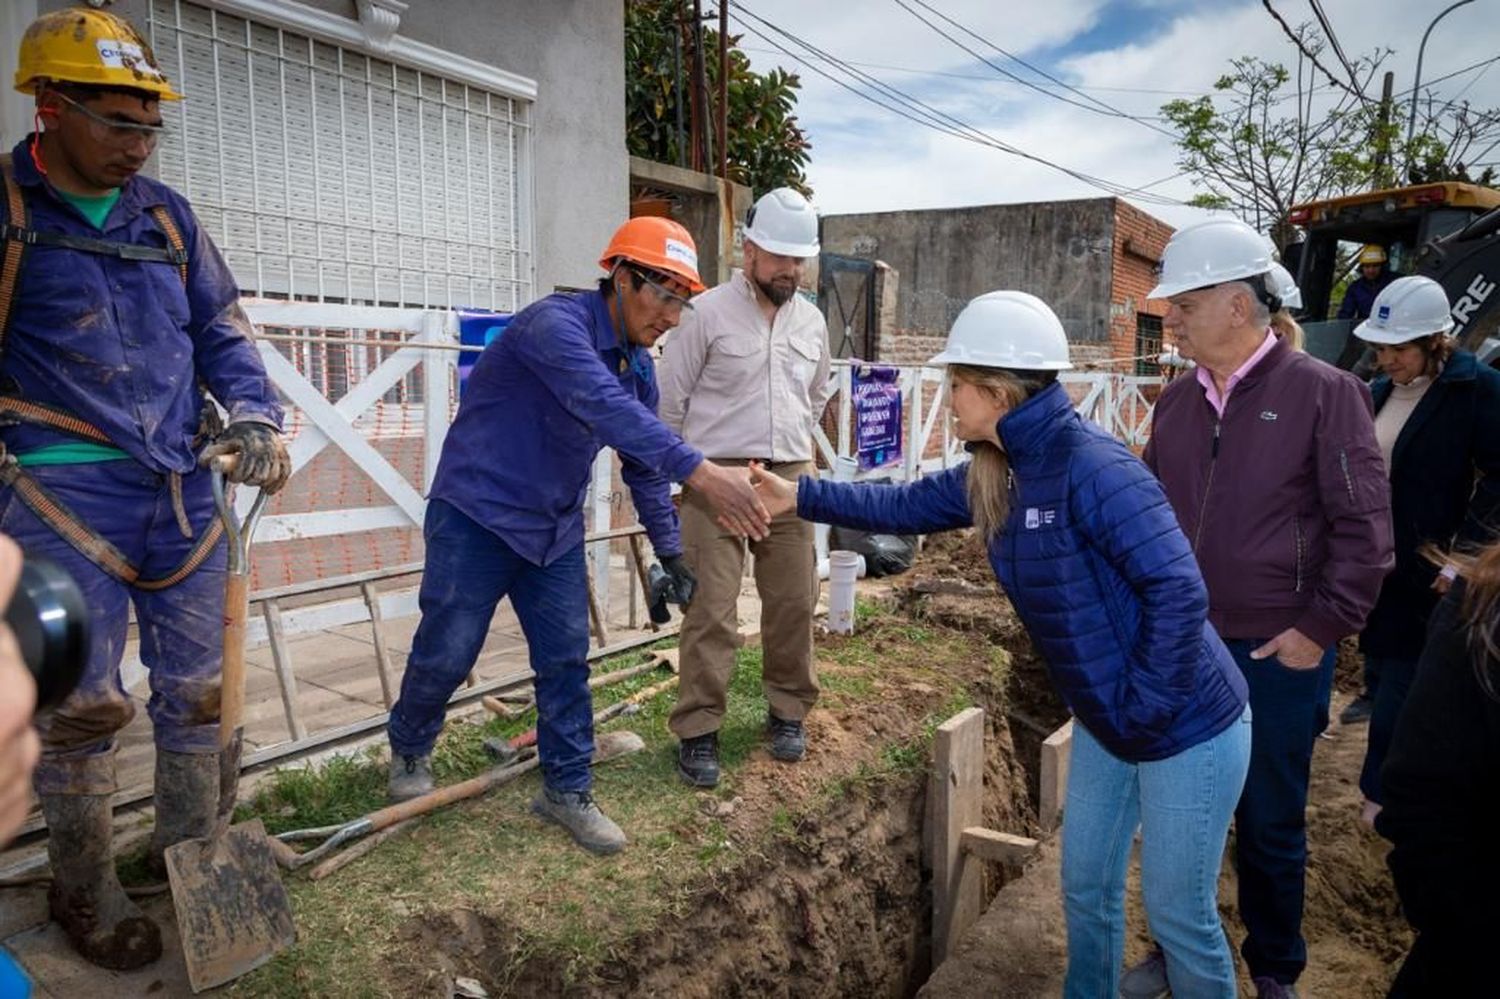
(877, 416)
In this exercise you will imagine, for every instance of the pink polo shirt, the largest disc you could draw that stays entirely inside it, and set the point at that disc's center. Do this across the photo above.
(1207, 380)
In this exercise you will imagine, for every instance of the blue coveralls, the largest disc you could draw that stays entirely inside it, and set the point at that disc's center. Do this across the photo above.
(1359, 297)
(122, 344)
(505, 517)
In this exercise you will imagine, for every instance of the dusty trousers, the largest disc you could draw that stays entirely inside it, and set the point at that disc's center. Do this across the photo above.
(181, 627)
(786, 579)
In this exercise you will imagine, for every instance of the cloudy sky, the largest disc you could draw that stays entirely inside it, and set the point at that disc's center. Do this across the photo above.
(1130, 54)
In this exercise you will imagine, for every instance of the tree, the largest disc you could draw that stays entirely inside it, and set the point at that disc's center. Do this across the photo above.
(766, 147)
(1276, 137)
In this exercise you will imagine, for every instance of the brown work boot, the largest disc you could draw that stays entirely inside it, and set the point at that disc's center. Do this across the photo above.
(187, 802)
(103, 924)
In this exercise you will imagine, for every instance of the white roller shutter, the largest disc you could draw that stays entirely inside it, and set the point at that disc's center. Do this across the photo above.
(327, 174)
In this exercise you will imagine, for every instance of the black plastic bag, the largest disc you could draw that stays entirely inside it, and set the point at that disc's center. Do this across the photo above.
(885, 554)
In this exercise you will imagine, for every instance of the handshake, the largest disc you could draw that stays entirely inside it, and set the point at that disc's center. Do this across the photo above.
(744, 500)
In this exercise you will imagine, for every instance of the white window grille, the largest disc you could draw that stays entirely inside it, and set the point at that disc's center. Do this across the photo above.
(326, 174)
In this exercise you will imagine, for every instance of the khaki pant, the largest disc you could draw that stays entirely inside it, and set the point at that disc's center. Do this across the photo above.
(786, 577)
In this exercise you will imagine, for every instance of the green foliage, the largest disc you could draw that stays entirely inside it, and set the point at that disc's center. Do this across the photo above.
(1264, 141)
(767, 148)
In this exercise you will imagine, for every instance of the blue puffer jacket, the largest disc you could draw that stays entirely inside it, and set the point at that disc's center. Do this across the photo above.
(1095, 565)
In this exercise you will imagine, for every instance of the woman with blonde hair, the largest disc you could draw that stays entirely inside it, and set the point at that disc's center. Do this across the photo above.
(1082, 539)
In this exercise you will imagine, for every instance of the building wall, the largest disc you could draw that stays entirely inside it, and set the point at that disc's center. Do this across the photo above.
(574, 50)
(1058, 251)
(1139, 240)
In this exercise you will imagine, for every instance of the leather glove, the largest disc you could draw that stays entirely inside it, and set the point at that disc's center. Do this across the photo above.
(671, 581)
(683, 582)
(263, 460)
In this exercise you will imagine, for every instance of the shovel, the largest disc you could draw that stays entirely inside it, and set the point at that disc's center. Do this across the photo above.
(609, 746)
(232, 909)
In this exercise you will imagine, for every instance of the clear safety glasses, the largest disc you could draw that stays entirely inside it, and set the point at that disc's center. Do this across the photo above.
(663, 294)
(116, 132)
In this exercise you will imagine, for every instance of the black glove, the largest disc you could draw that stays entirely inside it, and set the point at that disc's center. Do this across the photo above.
(671, 581)
(261, 455)
(682, 579)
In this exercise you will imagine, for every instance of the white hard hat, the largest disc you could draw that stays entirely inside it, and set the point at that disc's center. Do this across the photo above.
(1007, 329)
(1279, 282)
(1211, 253)
(783, 222)
(1407, 309)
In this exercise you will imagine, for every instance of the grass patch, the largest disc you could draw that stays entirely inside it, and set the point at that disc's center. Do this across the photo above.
(491, 855)
(556, 902)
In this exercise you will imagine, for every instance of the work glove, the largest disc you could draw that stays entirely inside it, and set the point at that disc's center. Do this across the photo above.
(262, 458)
(670, 582)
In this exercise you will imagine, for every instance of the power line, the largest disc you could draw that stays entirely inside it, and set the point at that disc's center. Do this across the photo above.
(1311, 55)
(924, 114)
(989, 78)
(1096, 105)
(1333, 40)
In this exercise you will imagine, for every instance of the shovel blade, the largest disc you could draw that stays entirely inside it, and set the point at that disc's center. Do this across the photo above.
(232, 909)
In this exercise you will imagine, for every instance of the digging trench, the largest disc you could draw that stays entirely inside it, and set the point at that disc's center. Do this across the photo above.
(840, 905)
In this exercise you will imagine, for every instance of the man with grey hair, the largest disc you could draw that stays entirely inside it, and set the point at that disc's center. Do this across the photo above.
(1269, 458)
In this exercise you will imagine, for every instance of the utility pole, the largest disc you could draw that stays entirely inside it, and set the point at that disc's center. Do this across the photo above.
(1382, 173)
(677, 26)
(700, 91)
(723, 116)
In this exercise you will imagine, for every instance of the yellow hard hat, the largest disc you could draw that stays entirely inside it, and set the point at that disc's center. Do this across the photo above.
(89, 47)
(1373, 253)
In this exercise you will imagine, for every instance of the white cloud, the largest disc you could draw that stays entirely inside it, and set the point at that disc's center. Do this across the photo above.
(868, 159)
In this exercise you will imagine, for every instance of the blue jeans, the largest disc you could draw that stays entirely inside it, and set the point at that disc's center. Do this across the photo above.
(1396, 676)
(1270, 826)
(1182, 805)
(181, 627)
(468, 569)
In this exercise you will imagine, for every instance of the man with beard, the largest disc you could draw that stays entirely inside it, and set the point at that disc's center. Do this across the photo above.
(746, 379)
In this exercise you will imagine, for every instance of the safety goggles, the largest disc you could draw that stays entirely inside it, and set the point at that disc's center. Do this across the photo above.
(114, 132)
(663, 294)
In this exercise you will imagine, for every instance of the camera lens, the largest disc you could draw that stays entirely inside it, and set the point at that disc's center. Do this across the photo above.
(50, 622)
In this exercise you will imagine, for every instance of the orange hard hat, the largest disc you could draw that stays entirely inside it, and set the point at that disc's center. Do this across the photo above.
(657, 244)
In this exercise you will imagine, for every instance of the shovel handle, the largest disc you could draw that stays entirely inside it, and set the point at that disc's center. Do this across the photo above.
(232, 679)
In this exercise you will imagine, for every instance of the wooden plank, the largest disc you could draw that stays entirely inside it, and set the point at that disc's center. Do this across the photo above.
(285, 678)
(638, 556)
(596, 614)
(382, 654)
(996, 847)
(958, 803)
(1056, 754)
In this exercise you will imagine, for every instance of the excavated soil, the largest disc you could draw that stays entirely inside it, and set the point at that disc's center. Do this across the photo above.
(839, 904)
(836, 905)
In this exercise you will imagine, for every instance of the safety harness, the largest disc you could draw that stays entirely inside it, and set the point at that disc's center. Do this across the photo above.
(19, 237)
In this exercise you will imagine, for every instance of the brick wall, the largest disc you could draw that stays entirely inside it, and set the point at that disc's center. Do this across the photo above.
(1138, 242)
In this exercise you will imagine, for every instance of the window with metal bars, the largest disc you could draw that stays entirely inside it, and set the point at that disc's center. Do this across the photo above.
(1148, 341)
(326, 174)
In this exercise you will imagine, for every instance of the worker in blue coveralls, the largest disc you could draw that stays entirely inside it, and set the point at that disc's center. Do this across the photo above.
(116, 312)
(571, 375)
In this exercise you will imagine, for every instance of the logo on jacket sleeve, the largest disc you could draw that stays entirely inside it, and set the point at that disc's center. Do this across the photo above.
(1036, 517)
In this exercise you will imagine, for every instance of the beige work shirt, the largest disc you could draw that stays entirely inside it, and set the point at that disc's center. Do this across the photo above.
(734, 387)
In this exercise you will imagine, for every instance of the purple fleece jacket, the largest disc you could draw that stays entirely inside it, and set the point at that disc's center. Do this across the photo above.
(1285, 499)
